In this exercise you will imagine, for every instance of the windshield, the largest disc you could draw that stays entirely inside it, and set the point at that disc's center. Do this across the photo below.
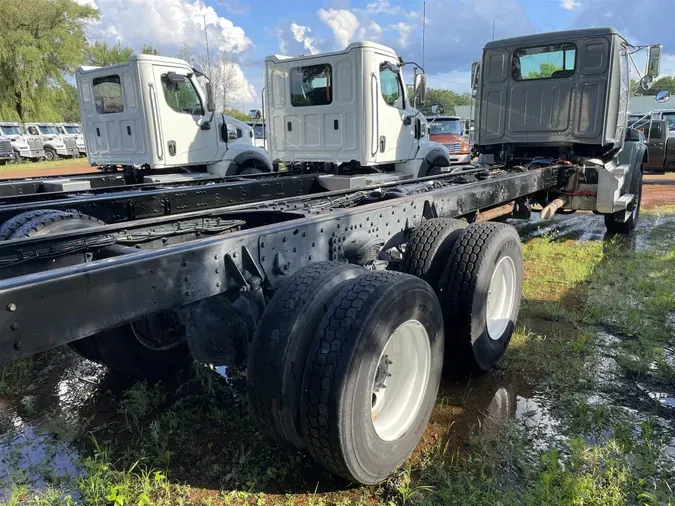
(258, 131)
(72, 130)
(48, 130)
(11, 130)
(446, 126)
(670, 118)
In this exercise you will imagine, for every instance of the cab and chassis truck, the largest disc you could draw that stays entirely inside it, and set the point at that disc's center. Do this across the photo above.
(346, 292)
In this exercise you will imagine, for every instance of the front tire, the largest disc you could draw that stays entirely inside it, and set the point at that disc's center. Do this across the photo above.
(50, 155)
(372, 375)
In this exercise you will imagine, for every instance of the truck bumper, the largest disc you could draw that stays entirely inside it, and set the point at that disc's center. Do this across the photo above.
(460, 157)
(32, 153)
(68, 152)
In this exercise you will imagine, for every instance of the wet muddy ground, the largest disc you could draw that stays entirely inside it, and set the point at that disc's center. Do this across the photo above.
(583, 405)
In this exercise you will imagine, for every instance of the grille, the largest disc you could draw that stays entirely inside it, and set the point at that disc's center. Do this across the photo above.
(70, 143)
(35, 144)
(5, 147)
(454, 148)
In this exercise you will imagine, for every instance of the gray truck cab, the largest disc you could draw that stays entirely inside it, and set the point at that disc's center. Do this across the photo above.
(562, 97)
(24, 146)
(55, 144)
(6, 152)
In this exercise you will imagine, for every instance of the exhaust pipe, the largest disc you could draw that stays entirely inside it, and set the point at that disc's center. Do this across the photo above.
(548, 212)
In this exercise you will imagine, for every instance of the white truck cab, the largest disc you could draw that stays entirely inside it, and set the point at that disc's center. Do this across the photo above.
(349, 108)
(55, 144)
(159, 112)
(24, 146)
(73, 130)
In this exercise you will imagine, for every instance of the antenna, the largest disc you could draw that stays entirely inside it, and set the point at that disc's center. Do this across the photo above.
(493, 29)
(424, 28)
(206, 38)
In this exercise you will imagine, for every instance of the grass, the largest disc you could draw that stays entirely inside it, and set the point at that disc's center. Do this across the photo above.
(66, 163)
(572, 428)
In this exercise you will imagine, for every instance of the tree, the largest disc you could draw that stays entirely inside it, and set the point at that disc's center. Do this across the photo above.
(101, 54)
(546, 69)
(445, 98)
(150, 49)
(41, 41)
(663, 83)
(236, 114)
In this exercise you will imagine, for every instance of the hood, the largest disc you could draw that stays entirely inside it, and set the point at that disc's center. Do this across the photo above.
(445, 138)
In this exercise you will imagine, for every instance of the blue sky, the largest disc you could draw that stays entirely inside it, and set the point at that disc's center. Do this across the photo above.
(246, 31)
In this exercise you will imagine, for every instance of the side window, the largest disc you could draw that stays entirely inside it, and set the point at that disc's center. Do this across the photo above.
(108, 94)
(655, 131)
(311, 85)
(182, 96)
(33, 130)
(231, 132)
(391, 88)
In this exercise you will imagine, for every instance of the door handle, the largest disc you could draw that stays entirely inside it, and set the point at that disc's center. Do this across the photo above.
(383, 143)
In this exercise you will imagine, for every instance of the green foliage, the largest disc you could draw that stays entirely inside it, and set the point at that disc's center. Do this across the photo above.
(446, 98)
(102, 54)
(237, 114)
(546, 69)
(41, 41)
(663, 83)
(150, 49)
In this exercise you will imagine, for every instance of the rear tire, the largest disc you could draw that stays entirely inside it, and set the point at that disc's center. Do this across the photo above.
(8, 228)
(372, 375)
(427, 252)
(480, 294)
(279, 350)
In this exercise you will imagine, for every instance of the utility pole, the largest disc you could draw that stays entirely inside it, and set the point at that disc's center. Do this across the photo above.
(493, 29)
(206, 38)
(424, 28)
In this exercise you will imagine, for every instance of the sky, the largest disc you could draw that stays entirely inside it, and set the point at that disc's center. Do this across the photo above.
(455, 32)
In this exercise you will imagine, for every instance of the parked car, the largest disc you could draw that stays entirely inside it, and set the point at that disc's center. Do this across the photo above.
(660, 144)
(448, 131)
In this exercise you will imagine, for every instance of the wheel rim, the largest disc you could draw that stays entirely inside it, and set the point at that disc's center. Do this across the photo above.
(48, 155)
(400, 381)
(501, 298)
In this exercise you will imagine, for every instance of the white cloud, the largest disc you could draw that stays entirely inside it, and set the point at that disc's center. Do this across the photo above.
(372, 32)
(166, 24)
(301, 35)
(383, 7)
(570, 4)
(342, 22)
(405, 32)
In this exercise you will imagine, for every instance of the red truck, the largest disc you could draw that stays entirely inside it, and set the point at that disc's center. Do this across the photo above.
(447, 130)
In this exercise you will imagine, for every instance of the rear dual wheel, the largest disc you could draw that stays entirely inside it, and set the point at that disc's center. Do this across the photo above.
(149, 348)
(346, 363)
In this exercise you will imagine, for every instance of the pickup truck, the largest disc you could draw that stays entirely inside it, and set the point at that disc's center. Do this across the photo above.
(660, 145)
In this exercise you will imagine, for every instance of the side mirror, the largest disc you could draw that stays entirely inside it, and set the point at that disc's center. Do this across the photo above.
(654, 60)
(437, 109)
(475, 70)
(420, 88)
(210, 102)
(662, 96)
(254, 114)
(646, 82)
(176, 78)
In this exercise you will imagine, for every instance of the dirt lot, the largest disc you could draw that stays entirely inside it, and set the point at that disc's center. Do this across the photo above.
(41, 169)
(580, 411)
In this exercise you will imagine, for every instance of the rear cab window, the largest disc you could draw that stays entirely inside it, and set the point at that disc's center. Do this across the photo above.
(311, 85)
(107, 92)
(550, 61)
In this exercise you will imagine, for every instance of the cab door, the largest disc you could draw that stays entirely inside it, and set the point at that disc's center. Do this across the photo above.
(187, 135)
(396, 131)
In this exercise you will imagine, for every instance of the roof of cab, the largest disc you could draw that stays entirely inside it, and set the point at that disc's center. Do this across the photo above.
(548, 37)
(137, 57)
(442, 118)
(354, 45)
